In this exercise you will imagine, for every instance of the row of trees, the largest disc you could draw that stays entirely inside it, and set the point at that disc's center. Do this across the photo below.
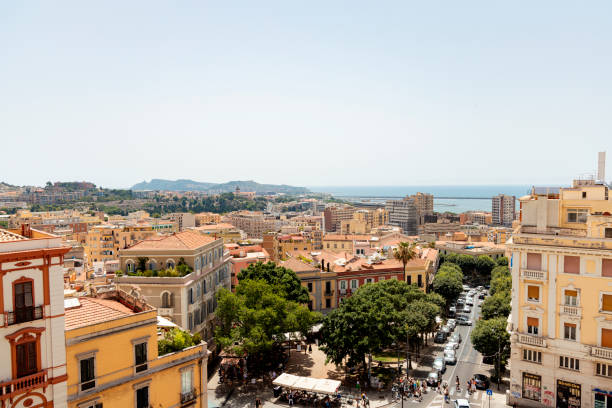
(377, 316)
(222, 203)
(481, 266)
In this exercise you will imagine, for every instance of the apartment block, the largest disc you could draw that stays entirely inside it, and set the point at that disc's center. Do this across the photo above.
(561, 321)
(503, 210)
(151, 268)
(334, 215)
(403, 214)
(103, 242)
(424, 206)
(32, 348)
(112, 357)
(183, 220)
(254, 224)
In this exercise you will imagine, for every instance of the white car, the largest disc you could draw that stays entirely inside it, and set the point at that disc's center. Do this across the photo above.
(452, 323)
(466, 309)
(469, 301)
(462, 403)
(451, 346)
(450, 357)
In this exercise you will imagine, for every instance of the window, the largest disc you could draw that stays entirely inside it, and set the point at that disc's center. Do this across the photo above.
(584, 194)
(569, 331)
(310, 287)
(196, 317)
(328, 287)
(24, 302)
(88, 376)
(577, 215)
(604, 370)
(608, 233)
(166, 300)
(533, 325)
(532, 355)
(129, 266)
(369, 280)
(571, 297)
(26, 359)
(186, 382)
(533, 293)
(606, 338)
(420, 281)
(203, 313)
(571, 264)
(606, 303)
(169, 265)
(409, 279)
(91, 404)
(190, 319)
(190, 296)
(342, 285)
(354, 283)
(569, 362)
(327, 303)
(532, 386)
(534, 262)
(140, 357)
(152, 265)
(198, 291)
(606, 267)
(142, 397)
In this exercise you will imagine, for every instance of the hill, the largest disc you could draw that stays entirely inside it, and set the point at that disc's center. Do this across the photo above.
(230, 186)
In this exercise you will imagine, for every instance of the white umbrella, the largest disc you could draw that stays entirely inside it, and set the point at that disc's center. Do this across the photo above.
(326, 386)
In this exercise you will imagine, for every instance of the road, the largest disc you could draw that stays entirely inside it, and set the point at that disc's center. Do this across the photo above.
(469, 362)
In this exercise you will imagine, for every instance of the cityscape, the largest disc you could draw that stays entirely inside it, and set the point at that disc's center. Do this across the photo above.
(283, 204)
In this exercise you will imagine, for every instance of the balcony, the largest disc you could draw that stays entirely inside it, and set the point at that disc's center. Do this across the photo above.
(601, 352)
(530, 340)
(22, 385)
(26, 314)
(533, 275)
(189, 396)
(573, 311)
(165, 311)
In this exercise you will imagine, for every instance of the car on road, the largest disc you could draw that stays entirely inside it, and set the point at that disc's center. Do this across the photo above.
(452, 346)
(452, 311)
(481, 296)
(446, 329)
(462, 403)
(482, 381)
(456, 337)
(432, 378)
(450, 357)
(469, 301)
(460, 302)
(439, 365)
(464, 321)
(440, 337)
(466, 309)
(466, 288)
(452, 323)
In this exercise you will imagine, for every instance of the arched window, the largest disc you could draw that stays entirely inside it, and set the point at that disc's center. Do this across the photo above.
(170, 264)
(166, 299)
(129, 265)
(152, 265)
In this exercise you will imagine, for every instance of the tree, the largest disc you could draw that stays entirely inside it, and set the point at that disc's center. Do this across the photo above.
(448, 283)
(404, 252)
(142, 263)
(497, 305)
(502, 261)
(484, 265)
(467, 263)
(501, 284)
(285, 279)
(491, 338)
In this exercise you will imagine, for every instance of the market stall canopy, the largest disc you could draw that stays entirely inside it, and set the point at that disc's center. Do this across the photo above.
(305, 384)
(326, 386)
(286, 380)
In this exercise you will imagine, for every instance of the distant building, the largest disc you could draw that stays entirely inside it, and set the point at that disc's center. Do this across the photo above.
(403, 213)
(253, 223)
(207, 218)
(424, 205)
(503, 210)
(227, 231)
(334, 215)
(183, 220)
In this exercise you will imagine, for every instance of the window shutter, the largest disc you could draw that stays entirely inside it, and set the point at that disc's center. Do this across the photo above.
(532, 321)
(533, 292)
(606, 303)
(606, 338)
(573, 293)
(606, 267)
(570, 325)
(571, 264)
(534, 262)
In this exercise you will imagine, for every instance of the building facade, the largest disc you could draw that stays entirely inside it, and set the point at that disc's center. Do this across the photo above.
(186, 299)
(403, 214)
(112, 357)
(334, 215)
(32, 347)
(561, 321)
(503, 210)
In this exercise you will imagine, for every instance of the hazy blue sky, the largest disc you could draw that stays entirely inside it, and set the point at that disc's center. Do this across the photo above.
(305, 92)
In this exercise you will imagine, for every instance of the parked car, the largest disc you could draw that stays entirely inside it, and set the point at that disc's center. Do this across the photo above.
(462, 403)
(440, 337)
(466, 309)
(452, 323)
(463, 320)
(432, 378)
(451, 345)
(456, 337)
(452, 312)
(446, 329)
(466, 288)
(439, 365)
(481, 296)
(460, 302)
(482, 381)
(450, 357)
(469, 301)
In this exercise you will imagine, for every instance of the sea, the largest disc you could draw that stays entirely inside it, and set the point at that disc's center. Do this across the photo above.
(455, 198)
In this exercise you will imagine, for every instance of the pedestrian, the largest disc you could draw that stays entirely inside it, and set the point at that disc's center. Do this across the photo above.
(290, 398)
(357, 386)
(367, 401)
(310, 348)
(473, 386)
(257, 403)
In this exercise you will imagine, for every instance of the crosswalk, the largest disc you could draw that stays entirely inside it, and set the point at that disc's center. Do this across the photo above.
(476, 399)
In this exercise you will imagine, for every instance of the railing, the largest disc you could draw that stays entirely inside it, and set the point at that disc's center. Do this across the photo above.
(571, 310)
(165, 311)
(601, 352)
(26, 314)
(188, 396)
(532, 340)
(20, 385)
(531, 274)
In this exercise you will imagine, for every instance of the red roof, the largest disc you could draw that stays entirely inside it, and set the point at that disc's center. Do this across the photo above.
(93, 311)
(181, 240)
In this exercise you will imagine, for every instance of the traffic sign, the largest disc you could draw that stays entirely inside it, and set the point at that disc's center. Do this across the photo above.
(489, 392)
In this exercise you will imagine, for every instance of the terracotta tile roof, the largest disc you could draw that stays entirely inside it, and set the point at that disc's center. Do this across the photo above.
(180, 240)
(347, 237)
(6, 236)
(219, 226)
(296, 265)
(93, 311)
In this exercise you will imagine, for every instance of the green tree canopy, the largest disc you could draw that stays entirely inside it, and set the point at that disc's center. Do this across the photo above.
(448, 283)
(281, 277)
(501, 283)
(502, 261)
(497, 305)
(491, 338)
(484, 265)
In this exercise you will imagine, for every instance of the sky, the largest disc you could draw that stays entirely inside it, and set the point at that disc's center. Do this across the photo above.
(307, 93)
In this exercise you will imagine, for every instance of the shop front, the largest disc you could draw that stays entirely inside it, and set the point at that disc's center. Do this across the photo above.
(602, 398)
(568, 394)
(532, 387)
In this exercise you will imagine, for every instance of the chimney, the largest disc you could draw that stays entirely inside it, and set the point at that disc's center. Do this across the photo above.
(601, 166)
(26, 231)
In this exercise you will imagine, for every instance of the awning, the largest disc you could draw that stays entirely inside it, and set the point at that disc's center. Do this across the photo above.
(305, 384)
(326, 386)
(285, 380)
(163, 322)
(318, 385)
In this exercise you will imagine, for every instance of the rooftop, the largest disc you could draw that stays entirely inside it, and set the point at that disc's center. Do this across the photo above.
(6, 235)
(178, 241)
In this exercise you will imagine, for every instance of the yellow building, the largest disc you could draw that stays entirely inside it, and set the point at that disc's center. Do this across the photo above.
(207, 218)
(320, 284)
(561, 318)
(112, 357)
(228, 232)
(104, 241)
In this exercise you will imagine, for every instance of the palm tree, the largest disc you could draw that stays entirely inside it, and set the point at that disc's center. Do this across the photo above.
(404, 253)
